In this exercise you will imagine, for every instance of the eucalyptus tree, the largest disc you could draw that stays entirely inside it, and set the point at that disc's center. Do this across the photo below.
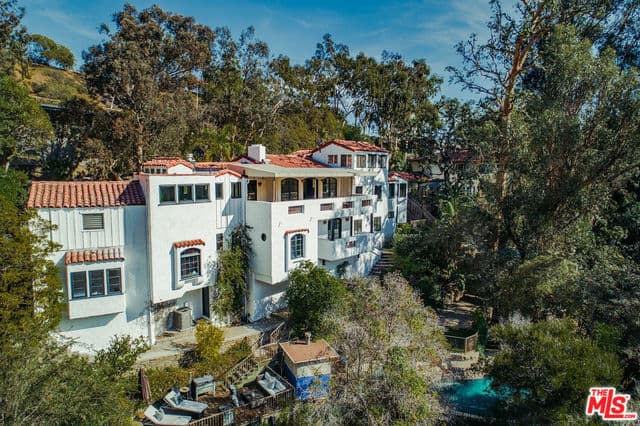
(146, 72)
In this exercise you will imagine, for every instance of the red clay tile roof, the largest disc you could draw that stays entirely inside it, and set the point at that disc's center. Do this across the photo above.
(303, 152)
(353, 146)
(167, 162)
(49, 194)
(97, 255)
(296, 231)
(188, 243)
(409, 177)
(294, 161)
(299, 352)
(228, 172)
(212, 165)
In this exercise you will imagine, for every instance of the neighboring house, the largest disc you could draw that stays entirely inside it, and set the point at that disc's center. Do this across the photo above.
(133, 252)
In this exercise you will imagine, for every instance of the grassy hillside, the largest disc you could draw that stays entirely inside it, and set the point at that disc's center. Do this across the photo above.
(53, 86)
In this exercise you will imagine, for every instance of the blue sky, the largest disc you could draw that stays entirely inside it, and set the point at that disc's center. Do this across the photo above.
(426, 29)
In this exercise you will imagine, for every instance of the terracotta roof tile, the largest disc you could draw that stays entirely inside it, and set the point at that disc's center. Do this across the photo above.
(293, 161)
(50, 194)
(353, 146)
(98, 255)
(188, 243)
(167, 162)
(409, 177)
(296, 231)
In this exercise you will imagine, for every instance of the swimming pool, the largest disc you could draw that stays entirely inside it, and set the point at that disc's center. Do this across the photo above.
(471, 396)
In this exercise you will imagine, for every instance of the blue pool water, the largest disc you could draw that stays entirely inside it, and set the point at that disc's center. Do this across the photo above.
(471, 396)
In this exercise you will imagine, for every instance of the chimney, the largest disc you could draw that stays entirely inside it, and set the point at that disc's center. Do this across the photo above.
(257, 153)
(190, 159)
(307, 335)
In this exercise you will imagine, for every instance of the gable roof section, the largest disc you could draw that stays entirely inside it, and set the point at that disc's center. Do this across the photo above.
(167, 162)
(353, 146)
(409, 177)
(52, 194)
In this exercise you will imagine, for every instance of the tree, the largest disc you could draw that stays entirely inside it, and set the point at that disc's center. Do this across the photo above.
(13, 36)
(209, 339)
(150, 84)
(44, 50)
(387, 377)
(24, 126)
(311, 293)
(544, 368)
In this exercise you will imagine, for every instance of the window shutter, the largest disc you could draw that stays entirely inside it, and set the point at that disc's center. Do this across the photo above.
(92, 221)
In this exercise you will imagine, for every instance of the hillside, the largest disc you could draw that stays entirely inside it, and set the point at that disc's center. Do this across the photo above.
(52, 85)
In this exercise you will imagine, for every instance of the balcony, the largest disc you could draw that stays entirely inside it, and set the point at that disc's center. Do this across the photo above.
(346, 247)
(96, 306)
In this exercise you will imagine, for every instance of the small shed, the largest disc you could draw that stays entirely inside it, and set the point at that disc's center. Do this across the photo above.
(307, 365)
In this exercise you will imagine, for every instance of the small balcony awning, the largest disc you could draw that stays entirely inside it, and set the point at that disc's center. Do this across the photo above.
(107, 254)
(188, 243)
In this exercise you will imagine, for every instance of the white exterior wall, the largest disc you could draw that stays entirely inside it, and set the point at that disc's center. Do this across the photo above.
(96, 320)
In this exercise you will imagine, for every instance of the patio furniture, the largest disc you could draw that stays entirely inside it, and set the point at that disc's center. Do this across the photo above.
(175, 401)
(270, 384)
(158, 417)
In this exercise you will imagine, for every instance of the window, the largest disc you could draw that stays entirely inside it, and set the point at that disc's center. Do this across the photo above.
(297, 246)
(345, 160)
(372, 160)
(366, 203)
(391, 215)
(92, 221)
(378, 191)
(296, 209)
(202, 192)
(326, 207)
(289, 189)
(189, 263)
(334, 229)
(357, 226)
(78, 285)
(347, 204)
(392, 190)
(219, 191)
(402, 192)
(252, 190)
(382, 161)
(377, 224)
(333, 159)
(362, 161)
(167, 193)
(219, 242)
(185, 193)
(329, 187)
(96, 283)
(236, 190)
(359, 190)
(114, 281)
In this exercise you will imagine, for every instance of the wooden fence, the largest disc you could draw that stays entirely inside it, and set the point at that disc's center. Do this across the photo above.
(467, 344)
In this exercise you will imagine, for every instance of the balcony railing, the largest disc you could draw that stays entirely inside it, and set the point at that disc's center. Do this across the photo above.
(345, 247)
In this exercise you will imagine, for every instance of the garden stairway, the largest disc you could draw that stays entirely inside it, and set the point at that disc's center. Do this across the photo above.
(385, 264)
(247, 369)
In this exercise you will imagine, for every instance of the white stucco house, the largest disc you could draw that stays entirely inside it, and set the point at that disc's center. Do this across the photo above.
(133, 252)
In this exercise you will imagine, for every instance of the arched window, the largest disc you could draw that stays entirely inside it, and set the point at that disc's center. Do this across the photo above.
(329, 187)
(289, 189)
(297, 246)
(190, 263)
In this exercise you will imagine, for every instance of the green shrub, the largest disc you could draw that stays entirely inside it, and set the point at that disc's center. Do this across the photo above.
(209, 339)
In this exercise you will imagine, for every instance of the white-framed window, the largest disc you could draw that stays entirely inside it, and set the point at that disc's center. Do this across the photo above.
(167, 193)
(402, 190)
(345, 160)
(92, 221)
(95, 283)
(333, 159)
(187, 193)
(236, 190)
(392, 190)
(377, 224)
(373, 159)
(219, 241)
(382, 161)
(329, 187)
(361, 161)
(190, 263)
(357, 226)
(359, 189)
(297, 246)
(289, 189)
(202, 192)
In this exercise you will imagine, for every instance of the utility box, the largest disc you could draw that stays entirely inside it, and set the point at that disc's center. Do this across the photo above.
(204, 384)
(182, 318)
(307, 365)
